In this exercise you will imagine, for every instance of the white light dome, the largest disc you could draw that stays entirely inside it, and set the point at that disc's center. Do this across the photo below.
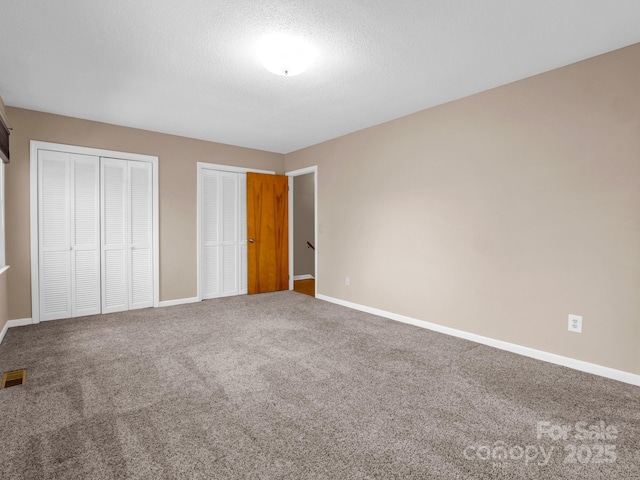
(285, 55)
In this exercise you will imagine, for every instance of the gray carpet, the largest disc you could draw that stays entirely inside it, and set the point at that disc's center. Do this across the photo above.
(287, 386)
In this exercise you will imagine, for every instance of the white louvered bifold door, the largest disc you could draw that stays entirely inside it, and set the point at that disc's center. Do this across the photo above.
(95, 235)
(85, 235)
(127, 238)
(223, 233)
(54, 246)
(115, 248)
(140, 235)
(210, 244)
(68, 235)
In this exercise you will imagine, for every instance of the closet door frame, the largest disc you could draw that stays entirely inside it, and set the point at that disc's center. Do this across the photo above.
(33, 208)
(221, 168)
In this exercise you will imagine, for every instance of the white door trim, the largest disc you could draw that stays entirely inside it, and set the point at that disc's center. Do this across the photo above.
(297, 173)
(229, 168)
(36, 145)
(222, 168)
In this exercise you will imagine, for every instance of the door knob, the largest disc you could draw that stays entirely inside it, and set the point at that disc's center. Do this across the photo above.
(251, 240)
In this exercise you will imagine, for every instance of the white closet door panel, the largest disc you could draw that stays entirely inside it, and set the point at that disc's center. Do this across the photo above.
(209, 284)
(229, 270)
(86, 199)
(141, 279)
(55, 285)
(229, 214)
(114, 201)
(85, 235)
(140, 201)
(242, 207)
(54, 199)
(230, 208)
(54, 235)
(114, 233)
(140, 228)
(210, 205)
(114, 281)
(86, 273)
(210, 231)
(244, 282)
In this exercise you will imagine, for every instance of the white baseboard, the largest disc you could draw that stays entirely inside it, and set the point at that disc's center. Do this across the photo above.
(580, 365)
(178, 301)
(303, 277)
(28, 321)
(14, 323)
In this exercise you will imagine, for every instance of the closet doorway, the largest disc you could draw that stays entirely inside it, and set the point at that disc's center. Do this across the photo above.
(94, 231)
(222, 230)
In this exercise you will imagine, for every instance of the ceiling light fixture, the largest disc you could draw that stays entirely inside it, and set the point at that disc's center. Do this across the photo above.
(285, 55)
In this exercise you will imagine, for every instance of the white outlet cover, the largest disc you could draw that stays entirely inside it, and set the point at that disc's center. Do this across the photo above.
(575, 323)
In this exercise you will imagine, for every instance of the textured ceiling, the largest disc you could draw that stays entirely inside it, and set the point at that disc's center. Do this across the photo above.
(189, 67)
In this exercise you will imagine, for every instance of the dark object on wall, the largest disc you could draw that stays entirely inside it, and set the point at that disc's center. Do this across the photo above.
(4, 139)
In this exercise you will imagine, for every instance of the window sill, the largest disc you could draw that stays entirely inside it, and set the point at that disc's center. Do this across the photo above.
(4, 269)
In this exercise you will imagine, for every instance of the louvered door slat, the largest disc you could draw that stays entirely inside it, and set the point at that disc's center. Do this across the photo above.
(209, 271)
(55, 287)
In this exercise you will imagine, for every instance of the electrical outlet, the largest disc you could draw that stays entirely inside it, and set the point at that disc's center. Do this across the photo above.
(347, 281)
(575, 323)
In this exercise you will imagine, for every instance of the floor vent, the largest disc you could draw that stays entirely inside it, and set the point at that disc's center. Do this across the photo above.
(12, 379)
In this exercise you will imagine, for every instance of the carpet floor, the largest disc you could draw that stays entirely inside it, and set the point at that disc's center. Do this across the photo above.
(285, 386)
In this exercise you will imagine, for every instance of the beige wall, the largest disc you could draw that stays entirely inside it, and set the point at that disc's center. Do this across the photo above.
(177, 192)
(498, 214)
(303, 225)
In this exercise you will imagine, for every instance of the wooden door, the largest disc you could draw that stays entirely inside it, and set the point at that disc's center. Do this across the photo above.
(267, 232)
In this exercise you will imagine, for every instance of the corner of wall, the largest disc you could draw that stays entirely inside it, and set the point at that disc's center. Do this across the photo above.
(4, 312)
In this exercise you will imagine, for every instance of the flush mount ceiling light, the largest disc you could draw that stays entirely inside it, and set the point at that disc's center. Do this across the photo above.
(285, 55)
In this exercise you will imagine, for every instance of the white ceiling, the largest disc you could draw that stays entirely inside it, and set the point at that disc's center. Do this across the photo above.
(189, 67)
